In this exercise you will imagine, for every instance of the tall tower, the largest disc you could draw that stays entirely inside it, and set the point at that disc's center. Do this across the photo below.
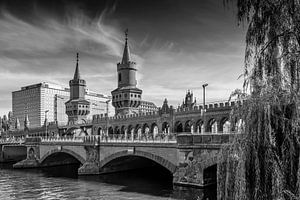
(127, 97)
(77, 108)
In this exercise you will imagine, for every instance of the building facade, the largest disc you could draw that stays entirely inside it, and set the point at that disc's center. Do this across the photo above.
(34, 100)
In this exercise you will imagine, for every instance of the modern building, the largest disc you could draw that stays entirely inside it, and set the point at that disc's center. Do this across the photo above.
(34, 100)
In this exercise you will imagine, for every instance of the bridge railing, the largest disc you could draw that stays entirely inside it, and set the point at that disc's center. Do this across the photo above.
(62, 139)
(206, 138)
(12, 140)
(102, 139)
(96, 139)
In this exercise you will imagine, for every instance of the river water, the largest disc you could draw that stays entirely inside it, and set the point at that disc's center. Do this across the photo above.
(63, 183)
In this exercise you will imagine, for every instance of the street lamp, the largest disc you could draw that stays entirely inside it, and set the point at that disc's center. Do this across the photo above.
(203, 113)
(107, 116)
(46, 111)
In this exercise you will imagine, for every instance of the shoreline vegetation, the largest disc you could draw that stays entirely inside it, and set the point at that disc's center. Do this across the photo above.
(265, 163)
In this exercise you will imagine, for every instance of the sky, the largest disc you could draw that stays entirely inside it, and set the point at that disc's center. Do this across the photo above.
(178, 45)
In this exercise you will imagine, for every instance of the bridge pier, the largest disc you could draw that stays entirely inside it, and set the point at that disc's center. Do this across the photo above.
(91, 165)
(32, 158)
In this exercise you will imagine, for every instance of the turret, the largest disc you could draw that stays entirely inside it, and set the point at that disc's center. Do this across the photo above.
(127, 97)
(17, 124)
(77, 108)
(26, 122)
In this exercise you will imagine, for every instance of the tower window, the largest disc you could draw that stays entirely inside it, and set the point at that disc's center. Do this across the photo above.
(120, 77)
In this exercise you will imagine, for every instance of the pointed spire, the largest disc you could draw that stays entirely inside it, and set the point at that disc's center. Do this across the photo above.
(17, 124)
(126, 54)
(26, 122)
(77, 74)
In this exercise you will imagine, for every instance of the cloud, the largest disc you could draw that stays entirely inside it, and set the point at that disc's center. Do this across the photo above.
(189, 45)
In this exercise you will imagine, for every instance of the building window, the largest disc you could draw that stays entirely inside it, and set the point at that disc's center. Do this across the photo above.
(120, 77)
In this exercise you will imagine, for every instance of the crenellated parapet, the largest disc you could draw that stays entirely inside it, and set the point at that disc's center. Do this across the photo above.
(214, 118)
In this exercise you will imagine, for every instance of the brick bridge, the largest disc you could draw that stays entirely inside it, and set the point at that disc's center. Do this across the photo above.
(185, 157)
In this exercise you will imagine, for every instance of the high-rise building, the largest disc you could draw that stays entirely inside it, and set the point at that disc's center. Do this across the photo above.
(34, 100)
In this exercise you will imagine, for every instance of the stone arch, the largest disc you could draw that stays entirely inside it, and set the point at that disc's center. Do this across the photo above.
(199, 128)
(154, 130)
(110, 132)
(188, 126)
(138, 132)
(130, 131)
(163, 162)
(67, 151)
(146, 131)
(117, 131)
(224, 125)
(212, 126)
(165, 127)
(178, 127)
(100, 131)
(209, 162)
(70, 130)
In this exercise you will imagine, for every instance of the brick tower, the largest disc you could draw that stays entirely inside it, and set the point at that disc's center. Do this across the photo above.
(77, 108)
(127, 97)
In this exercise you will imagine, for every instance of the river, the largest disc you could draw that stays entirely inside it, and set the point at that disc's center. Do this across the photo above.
(63, 183)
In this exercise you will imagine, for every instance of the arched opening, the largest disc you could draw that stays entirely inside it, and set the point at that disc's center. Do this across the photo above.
(188, 127)
(199, 126)
(100, 131)
(117, 132)
(212, 126)
(138, 132)
(137, 167)
(210, 175)
(224, 125)
(110, 132)
(130, 132)
(178, 127)
(239, 125)
(74, 132)
(154, 130)
(145, 131)
(61, 164)
(166, 127)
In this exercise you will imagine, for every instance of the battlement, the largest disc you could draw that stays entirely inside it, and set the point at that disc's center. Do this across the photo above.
(210, 107)
(103, 117)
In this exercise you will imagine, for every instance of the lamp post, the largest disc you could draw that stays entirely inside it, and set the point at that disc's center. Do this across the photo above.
(46, 123)
(107, 117)
(203, 114)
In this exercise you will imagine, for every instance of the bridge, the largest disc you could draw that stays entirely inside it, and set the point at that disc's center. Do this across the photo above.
(186, 157)
(12, 149)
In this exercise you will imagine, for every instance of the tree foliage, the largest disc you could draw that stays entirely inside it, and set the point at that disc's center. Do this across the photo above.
(265, 163)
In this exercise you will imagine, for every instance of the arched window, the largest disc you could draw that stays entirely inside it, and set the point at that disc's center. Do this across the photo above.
(120, 77)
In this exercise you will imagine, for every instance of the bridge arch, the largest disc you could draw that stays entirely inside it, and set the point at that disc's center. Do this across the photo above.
(212, 126)
(199, 126)
(66, 151)
(188, 127)
(178, 127)
(157, 159)
(74, 130)
(166, 127)
(154, 130)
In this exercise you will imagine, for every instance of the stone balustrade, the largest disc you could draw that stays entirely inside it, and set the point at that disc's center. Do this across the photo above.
(12, 140)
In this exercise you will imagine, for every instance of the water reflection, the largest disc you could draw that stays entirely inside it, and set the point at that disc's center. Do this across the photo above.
(63, 183)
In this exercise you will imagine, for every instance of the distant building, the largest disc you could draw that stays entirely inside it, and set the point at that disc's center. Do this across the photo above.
(34, 100)
(147, 106)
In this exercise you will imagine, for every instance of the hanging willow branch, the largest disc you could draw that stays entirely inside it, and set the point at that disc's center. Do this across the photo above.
(265, 164)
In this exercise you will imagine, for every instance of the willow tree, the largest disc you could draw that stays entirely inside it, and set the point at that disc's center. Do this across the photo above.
(265, 164)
